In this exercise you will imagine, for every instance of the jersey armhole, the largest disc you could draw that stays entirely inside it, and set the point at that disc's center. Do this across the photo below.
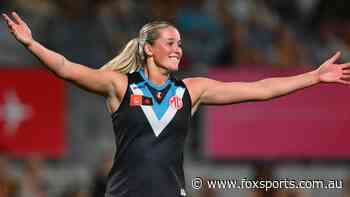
(122, 101)
(189, 95)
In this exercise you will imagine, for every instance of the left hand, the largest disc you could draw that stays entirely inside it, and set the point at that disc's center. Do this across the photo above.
(329, 71)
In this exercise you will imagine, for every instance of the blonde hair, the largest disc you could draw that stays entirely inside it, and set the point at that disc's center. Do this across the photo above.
(133, 56)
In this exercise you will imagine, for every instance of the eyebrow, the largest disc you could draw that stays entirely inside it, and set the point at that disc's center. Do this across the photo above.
(173, 39)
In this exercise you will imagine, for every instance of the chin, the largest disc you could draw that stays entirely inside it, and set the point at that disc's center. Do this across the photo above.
(173, 68)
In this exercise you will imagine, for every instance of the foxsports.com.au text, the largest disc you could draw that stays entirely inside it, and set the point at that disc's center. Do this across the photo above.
(199, 183)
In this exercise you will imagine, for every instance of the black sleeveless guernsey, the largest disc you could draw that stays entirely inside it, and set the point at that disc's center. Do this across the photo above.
(150, 128)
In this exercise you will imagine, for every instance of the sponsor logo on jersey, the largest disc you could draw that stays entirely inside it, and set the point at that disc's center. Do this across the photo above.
(136, 100)
(147, 100)
(176, 102)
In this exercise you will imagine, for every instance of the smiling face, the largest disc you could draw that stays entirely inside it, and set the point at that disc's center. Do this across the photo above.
(166, 50)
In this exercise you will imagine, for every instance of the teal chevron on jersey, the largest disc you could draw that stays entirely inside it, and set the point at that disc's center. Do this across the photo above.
(158, 115)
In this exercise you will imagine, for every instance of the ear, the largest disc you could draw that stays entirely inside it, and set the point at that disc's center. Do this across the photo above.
(148, 49)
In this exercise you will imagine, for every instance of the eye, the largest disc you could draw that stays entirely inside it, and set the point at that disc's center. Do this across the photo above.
(173, 43)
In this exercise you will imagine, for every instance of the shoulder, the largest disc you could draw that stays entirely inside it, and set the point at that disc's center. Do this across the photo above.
(195, 86)
(196, 82)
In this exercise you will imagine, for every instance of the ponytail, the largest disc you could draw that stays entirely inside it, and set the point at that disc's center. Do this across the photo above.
(127, 61)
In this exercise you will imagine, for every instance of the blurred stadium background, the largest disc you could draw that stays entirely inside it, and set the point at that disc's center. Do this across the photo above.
(57, 140)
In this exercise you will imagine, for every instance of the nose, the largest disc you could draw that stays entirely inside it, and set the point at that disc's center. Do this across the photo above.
(178, 50)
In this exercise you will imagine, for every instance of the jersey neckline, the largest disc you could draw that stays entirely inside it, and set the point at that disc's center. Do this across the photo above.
(153, 85)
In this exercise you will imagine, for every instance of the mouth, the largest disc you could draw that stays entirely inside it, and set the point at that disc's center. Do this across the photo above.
(175, 58)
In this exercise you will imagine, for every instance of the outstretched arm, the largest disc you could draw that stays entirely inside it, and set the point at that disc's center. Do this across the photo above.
(98, 81)
(208, 91)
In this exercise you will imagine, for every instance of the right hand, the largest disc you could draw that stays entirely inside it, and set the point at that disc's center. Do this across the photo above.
(19, 29)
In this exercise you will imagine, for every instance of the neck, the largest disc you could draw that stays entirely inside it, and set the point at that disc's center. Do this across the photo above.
(156, 74)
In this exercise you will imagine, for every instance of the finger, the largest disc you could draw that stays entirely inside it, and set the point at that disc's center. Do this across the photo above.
(345, 77)
(17, 18)
(346, 71)
(7, 18)
(9, 22)
(344, 66)
(334, 58)
(343, 81)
